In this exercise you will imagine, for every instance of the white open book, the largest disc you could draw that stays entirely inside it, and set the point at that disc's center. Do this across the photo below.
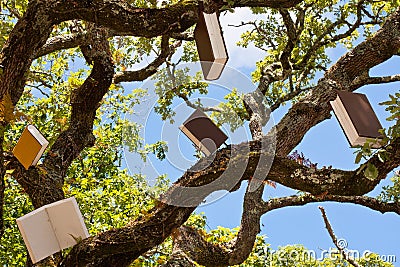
(52, 228)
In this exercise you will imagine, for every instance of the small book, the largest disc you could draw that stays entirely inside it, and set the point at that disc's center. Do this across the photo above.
(210, 46)
(30, 146)
(52, 228)
(203, 132)
(357, 118)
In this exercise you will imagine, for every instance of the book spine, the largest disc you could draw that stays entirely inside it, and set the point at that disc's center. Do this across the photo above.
(35, 161)
(53, 228)
(194, 140)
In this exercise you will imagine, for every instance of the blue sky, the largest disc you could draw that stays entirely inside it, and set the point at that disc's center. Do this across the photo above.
(325, 144)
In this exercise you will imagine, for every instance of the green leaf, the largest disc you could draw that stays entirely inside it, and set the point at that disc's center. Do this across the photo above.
(359, 157)
(371, 172)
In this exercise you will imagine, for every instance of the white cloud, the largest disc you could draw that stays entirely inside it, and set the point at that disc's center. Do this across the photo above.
(240, 57)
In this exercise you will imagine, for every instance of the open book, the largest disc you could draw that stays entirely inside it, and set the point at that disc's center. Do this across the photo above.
(30, 146)
(357, 118)
(52, 228)
(210, 46)
(203, 132)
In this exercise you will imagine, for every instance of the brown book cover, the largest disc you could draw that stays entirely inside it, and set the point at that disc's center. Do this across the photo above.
(203, 132)
(210, 46)
(30, 146)
(52, 228)
(357, 118)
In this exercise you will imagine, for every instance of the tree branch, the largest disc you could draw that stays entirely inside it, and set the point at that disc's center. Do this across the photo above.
(315, 108)
(209, 254)
(258, 113)
(200, 250)
(13, 10)
(62, 42)
(267, 3)
(131, 241)
(301, 117)
(288, 97)
(142, 74)
(82, 39)
(369, 202)
(178, 258)
(70, 142)
(125, 19)
(84, 101)
(361, 81)
(162, 220)
(44, 183)
(271, 75)
(249, 226)
(292, 40)
(2, 189)
(16, 55)
(322, 39)
(335, 241)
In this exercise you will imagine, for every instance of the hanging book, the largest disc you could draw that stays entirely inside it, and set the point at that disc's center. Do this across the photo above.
(210, 46)
(52, 228)
(203, 132)
(357, 118)
(30, 146)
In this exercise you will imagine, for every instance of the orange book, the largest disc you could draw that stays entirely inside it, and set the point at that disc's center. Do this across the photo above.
(30, 146)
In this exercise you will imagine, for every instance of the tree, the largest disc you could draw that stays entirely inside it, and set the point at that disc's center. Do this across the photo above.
(80, 110)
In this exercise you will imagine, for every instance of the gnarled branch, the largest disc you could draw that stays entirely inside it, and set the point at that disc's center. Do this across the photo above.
(209, 254)
(335, 241)
(142, 74)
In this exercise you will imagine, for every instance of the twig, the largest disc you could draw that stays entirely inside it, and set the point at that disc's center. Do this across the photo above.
(334, 239)
(13, 11)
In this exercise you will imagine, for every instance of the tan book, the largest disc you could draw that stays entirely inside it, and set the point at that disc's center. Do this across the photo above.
(210, 46)
(357, 118)
(203, 132)
(30, 146)
(52, 228)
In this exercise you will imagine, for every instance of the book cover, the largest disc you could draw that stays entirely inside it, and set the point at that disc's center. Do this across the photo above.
(30, 146)
(203, 132)
(357, 118)
(210, 46)
(52, 228)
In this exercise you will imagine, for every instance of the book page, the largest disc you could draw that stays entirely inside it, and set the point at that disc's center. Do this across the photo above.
(345, 121)
(38, 234)
(40, 138)
(67, 222)
(38, 135)
(217, 41)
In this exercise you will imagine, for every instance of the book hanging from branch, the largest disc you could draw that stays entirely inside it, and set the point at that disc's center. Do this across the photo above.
(210, 45)
(357, 118)
(30, 146)
(52, 228)
(203, 132)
